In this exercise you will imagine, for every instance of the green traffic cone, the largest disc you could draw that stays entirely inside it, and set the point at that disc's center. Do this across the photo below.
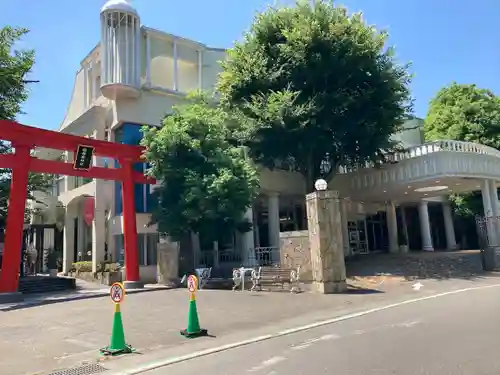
(117, 343)
(193, 328)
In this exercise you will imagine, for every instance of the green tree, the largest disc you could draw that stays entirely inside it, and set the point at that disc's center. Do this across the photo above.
(315, 86)
(14, 67)
(206, 183)
(464, 112)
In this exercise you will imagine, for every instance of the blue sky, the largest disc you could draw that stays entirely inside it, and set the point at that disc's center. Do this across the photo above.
(445, 40)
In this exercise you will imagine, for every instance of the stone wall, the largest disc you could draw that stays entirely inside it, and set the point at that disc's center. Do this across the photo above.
(294, 251)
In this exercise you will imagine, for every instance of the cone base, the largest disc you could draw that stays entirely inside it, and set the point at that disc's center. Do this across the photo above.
(107, 351)
(191, 335)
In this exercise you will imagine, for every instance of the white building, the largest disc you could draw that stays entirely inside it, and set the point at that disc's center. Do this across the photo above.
(135, 74)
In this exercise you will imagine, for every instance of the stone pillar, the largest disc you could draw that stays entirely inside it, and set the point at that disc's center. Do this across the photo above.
(273, 218)
(425, 227)
(248, 240)
(345, 229)
(392, 227)
(451, 242)
(168, 262)
(68, 242)
(488, 213)
(325, 234)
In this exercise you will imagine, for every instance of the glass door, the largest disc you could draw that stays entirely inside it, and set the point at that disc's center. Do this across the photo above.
(357, 236)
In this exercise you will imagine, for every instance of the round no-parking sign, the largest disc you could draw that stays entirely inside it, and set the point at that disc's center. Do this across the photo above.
(192, 283)
(117, 293)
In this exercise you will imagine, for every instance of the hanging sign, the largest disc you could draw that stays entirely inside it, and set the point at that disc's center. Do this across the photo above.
(83, 158)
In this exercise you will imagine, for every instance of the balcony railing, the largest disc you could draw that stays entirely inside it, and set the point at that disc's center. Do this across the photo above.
(439, 146)
(409, 153)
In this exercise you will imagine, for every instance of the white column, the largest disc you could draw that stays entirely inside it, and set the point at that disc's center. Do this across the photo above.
(495, 208)
(176, 67)
(488, 212)
(98, 226)
(248, 253)
(425, 227)
(345, 230)
(93, 76)
(273, 217)
(148, 59)
(451, 242)
(68, 242)
(392, 227)
(81, 234)
(85, 88)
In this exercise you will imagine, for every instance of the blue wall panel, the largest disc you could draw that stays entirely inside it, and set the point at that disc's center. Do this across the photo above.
(131, 134)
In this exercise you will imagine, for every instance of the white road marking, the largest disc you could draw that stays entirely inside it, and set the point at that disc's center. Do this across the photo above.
(218, 349)
(329, 337)
(83, 343)
(417, 286)
(267, 363)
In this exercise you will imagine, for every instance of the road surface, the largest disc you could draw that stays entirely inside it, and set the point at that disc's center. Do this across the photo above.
(450, 335)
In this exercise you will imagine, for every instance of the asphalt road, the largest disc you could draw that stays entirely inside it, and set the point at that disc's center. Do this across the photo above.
(455, 334)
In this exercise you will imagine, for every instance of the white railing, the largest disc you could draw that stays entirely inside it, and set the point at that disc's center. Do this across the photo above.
(439, 146)
(430, 148)
(411, 152)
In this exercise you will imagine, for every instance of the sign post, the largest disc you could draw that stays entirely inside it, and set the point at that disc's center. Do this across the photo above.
(117, 344)
(193, 329)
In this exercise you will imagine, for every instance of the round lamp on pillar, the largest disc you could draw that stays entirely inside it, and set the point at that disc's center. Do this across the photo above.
(321, 185)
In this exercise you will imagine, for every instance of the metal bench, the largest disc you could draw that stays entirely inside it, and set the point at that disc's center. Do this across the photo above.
(276, 276)
(239, 275)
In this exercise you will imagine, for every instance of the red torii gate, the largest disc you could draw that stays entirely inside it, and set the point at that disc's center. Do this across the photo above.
(24, 139)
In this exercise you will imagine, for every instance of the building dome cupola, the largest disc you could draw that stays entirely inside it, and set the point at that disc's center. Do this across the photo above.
(120, 50)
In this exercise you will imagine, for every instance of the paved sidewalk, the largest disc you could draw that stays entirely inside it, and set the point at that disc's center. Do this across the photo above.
(32, 300)
(38, 340)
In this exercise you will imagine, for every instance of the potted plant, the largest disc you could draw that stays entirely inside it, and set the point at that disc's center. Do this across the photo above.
(52, 262)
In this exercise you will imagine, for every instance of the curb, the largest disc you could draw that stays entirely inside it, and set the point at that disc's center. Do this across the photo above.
(26, 305)
(206, 352)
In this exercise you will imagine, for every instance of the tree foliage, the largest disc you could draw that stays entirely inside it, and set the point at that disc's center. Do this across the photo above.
(464, 112)
(14, 66)
(316, 86)
(206, 183)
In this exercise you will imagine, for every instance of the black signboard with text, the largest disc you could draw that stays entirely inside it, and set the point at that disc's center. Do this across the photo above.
(83, 157)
